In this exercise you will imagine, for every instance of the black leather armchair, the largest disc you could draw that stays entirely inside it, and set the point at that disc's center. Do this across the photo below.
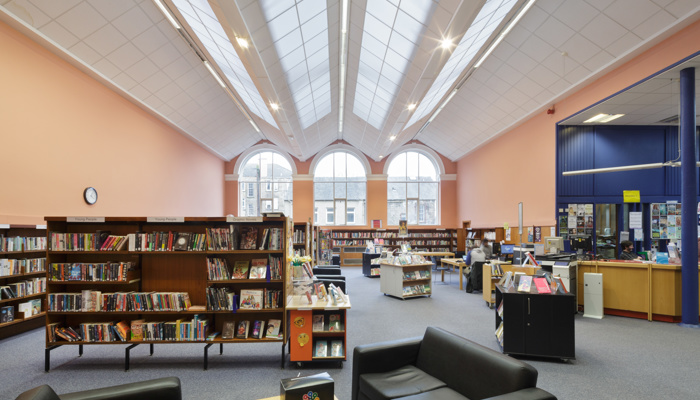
(438, 366)
(154, 389)
(326, 270)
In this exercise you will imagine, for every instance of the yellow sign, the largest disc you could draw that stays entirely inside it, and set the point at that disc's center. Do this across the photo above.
(631, 196)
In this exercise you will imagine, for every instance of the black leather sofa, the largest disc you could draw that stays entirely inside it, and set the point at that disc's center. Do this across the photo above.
(440, 365)
(154, 389)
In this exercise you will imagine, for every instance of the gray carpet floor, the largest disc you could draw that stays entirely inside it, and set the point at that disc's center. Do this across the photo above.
(616, 357)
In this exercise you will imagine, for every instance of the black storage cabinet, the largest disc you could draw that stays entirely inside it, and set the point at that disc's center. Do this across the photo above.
(535, 324)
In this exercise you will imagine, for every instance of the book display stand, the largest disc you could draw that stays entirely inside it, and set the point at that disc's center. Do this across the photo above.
(22, 278)
(317, 330)
(407, 280)
(173, 284)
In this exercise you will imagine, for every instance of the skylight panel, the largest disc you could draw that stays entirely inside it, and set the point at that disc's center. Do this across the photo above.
(488, 19)
(390, 38)
(302, 26)
(208, 29)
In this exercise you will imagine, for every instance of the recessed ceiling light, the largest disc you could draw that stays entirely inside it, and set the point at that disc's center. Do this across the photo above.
(446, 43)
(603, 118)
(243, 42)
(411, 107)
(381, 156)
(274, 106)
(392, 137)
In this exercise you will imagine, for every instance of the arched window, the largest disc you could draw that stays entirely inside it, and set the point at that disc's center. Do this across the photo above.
(413, 189)
(340, 190)
(265, 180)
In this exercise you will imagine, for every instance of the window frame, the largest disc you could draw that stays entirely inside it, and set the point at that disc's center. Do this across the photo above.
(339, 199)
(270, 188)
(419, 201)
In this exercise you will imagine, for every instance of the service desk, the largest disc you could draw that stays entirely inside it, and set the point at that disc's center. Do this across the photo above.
(636, 289)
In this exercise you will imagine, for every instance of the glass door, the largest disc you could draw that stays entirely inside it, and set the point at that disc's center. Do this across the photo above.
(606, 231)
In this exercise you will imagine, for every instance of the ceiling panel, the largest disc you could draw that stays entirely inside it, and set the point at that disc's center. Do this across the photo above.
(393, 60)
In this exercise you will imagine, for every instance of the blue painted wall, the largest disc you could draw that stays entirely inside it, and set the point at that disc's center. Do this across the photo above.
(588, 147)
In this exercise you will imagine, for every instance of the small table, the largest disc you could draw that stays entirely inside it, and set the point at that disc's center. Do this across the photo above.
(454, 262)
(435, 253)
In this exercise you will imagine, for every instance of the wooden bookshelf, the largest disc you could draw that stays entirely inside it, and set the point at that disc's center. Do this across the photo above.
(352, 242)
(171, 271)
(26, 245)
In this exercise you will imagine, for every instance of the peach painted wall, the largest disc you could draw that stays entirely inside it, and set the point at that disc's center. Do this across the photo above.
(62, 131)
(376, 193)
(525, 156)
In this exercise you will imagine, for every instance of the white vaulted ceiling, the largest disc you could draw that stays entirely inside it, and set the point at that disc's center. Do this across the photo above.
(295, 60)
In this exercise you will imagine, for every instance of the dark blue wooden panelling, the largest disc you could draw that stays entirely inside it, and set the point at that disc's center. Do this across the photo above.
(629, 145)
(673, 175)
(576, 150)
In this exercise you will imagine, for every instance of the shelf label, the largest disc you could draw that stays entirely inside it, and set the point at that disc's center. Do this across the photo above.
(4, 226)
(85, 219)
(41, 227)
(331, 308)
(231, 218)
(165, 219)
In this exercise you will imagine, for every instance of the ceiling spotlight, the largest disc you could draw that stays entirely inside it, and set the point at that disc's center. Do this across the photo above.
(392, 137)
(381, 156)
(446, 43)
(274, 106)
(243, 42)
(411, 107)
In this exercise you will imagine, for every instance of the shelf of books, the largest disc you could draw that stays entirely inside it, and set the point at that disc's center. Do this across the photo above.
(324, 246)
(352, 242)
(22, 278)
(301, 239)
(166, 280)
(405, 276)
(318, 328)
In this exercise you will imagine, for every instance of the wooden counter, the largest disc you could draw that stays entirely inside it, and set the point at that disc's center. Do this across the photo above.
(634, 289)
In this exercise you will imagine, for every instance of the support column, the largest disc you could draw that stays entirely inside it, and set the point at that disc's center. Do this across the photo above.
(689, 199)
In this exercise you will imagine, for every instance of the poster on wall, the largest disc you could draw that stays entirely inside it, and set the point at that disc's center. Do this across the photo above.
(529, 234)
(563, 226)
(538, 234)
(666, 221)
(403, 228)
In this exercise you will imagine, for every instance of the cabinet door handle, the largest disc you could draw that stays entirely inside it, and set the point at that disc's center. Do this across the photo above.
(528, 306)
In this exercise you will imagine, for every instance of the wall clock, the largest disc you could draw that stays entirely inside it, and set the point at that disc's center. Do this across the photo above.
(90, 195)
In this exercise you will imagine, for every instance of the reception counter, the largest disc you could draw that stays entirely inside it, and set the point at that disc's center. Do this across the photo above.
(634, 289)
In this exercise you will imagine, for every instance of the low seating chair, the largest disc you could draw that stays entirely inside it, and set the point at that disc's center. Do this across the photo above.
(438, 366)
(154, 389)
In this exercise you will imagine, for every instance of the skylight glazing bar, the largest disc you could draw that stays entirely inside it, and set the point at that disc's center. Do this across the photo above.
(207, 27)
(489, 18)
(389, 41)
(299, 31)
